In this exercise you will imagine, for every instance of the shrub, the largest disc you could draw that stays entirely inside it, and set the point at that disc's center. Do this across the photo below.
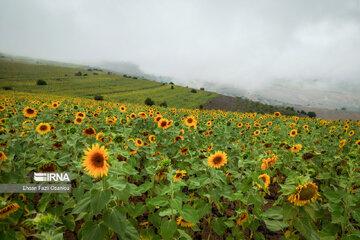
(163, 104)
(78, 74)
(202, 89)
(95, 73)
(201, 106)
(85, 74)
(41, 82)
(171, 83)
(193, 91)
(7, 88)
(172, 87)
(98, 98)
(311, 114)
(149, 102)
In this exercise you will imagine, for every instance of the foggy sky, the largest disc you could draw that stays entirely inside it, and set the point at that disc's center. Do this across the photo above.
(246, 43)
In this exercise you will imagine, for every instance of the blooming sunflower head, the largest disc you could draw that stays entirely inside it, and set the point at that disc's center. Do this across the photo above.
(163, 123)
(95, 161)
(43, 128)
(29, 112)
(296, 148)
(217, 159)
(139, 142)
(293, 133)
(184, 150)
(304, 194)
(179, 175)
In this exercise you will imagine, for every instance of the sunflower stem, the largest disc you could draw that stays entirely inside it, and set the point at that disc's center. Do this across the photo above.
(103, 182)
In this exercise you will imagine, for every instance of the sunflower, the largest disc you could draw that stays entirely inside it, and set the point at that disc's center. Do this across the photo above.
(43, 128)
(181, 222)
(161, 175)
(296, 148)
(266, 179)
(110, 121)
(2, 156)
(152, 138)
(139, 142)
(163, 123)
(190, 121)
(217, 159)
(242, 218)
(358, 142)
(78, 120)
(29, 112)
(157, 118)
(240, 125)
(80, 115)
(95, 161)
(57, 145)
(257, 132)
(277, 114)
(184, 150)
(122, 109)
(351, 133)
(132, 116)
(304, 194)
(142, 115)
(269, 124)
(293, 133)
(2, 108)
(89, 132)
(49, 167)
(179, 175)
(210, 147)
(178, 138)
(9, 209)
(306, 127)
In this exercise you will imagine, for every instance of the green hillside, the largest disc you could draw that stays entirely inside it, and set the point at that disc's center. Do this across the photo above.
(62, 81)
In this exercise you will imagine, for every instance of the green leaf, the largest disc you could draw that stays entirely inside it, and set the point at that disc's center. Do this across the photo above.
(94, 231)
(115, 220)
(137, 210)
(158, 201)
(274, 213)
(189, 214)
(289, 212)
(83, 205)
(176, 203)
(274, 225)
(99, 199)
(167, 212)
(44, 201)
(219, 227)
(305, 228)
(168, 228)
(69, 222)
(184, 234)
(145, 187)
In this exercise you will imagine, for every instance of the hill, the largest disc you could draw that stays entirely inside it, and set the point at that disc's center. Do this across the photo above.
(87, 82)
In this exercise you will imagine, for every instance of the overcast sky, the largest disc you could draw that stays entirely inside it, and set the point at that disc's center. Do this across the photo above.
(246, 43)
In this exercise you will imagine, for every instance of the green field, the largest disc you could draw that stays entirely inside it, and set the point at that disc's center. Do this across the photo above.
(61, 81)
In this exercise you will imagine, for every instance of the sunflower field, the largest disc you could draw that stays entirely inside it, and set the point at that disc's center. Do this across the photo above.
(141, 172)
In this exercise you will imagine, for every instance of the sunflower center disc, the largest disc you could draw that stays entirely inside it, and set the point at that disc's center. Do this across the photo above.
(307, 193)
(98, 160)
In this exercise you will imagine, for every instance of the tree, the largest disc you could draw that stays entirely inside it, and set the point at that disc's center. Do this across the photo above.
(193, 91)
(163, 104)
(149, 102)
(99, 98)
(41, 82)
(311, 114)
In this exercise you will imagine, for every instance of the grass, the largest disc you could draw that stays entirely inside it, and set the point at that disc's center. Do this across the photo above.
(61, 81)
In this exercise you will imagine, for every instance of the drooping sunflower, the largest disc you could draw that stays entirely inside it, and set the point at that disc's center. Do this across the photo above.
(266, 179)
(43, 128)
(296, 148)
(2, 108)
(358, 142)
(181, 222)
(110, 121)
(9, 209)
(142, 115)
(2, 156)
(178, 138)
(57, 145)
(184, 150)
(293, 133)
(48, 167)
(179, 175)
(242, 218)
(217, 159)
(29, 112)
(305, 194)
(89, 132)
(95, 161)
